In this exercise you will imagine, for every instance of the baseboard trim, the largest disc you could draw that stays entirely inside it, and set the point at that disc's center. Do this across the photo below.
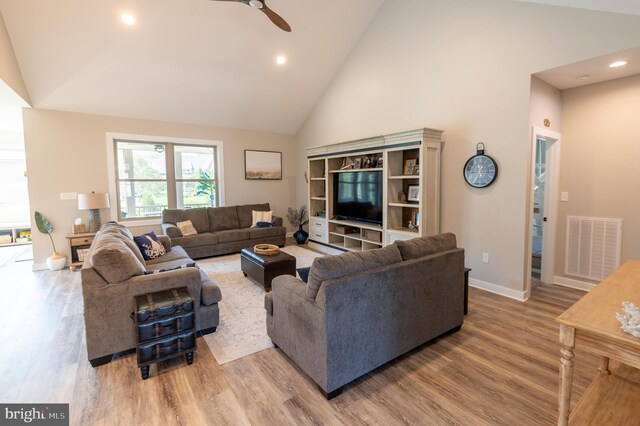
(520, 296)
(571, 283)
(39, 267)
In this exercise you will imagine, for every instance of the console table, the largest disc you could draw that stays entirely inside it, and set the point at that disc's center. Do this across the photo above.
(591, 323)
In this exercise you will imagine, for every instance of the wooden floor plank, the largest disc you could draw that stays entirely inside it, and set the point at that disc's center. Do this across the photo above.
(501, 368)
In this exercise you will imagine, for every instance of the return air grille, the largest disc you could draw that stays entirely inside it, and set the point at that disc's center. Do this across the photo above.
(593, 247)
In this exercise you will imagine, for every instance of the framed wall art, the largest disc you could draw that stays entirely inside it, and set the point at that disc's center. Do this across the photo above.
(262, 165)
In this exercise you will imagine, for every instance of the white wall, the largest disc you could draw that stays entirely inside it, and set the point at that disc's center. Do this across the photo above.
(9, 69)
(66, 152)
(600, 151)
(464, 66)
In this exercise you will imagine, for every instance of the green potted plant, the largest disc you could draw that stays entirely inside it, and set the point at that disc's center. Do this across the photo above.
(299, 218)
(57, 261)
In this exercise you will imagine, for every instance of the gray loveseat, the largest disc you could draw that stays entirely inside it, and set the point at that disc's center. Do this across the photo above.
(361, 310)
(221, 230)
(113, 274)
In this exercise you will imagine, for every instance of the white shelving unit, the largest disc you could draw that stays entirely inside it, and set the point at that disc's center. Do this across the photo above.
(422, 147)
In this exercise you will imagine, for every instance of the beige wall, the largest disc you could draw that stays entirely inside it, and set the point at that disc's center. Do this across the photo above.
(600, 150)
(66, 152)
(9, 69)
(465, 67)
(546, 102)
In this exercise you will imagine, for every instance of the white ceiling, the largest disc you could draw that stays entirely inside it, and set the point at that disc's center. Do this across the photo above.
(209, 62)
(631, 7)
(190, 61)
(597, 69)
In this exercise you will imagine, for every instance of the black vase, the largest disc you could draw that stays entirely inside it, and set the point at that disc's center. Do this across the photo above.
(300, 235)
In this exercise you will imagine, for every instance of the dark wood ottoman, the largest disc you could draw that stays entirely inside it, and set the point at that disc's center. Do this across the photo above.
(263, 268)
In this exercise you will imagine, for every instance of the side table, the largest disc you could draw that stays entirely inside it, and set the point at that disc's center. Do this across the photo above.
(166, 327)
(78, 244)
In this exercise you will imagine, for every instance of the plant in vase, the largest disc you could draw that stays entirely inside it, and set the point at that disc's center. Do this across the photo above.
(298, 217)
(57, 261)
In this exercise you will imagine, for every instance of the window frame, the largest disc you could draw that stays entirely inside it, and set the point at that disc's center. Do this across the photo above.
(168, 142)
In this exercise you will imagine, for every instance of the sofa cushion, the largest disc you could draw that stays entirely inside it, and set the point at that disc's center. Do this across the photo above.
(176, 253)
(113, 260)
(233, 235)
(210, 293)
(330, 267)
(260, 217)
(245, 215)
(183, 266)
(303, 273)
(425, 246)
(273, 231)
(119, 231)
(150, 245)
(186, 228)
(198, 217)
(223, 218)
(205, 239)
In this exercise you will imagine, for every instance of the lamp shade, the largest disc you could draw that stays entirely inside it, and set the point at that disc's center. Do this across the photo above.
(93, 201)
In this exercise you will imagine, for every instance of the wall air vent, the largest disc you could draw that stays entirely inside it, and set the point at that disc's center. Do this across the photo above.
(593, 247)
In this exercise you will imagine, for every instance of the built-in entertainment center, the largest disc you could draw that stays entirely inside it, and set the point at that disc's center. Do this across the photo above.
(368, 193)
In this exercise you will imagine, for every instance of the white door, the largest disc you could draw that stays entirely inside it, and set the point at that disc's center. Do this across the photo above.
(544, 201)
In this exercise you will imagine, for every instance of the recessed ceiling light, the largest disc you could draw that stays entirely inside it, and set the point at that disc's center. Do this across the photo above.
(280, 60)
(618, 64)
(583, 77)
(128, 18)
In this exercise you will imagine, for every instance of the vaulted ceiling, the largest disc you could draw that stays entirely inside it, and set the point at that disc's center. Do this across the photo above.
(194, 61)
(190, 61)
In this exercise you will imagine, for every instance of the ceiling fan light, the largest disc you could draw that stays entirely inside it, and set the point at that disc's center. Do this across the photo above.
(257, 4)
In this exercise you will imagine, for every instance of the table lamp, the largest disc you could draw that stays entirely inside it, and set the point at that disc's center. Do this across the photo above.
(93, 202)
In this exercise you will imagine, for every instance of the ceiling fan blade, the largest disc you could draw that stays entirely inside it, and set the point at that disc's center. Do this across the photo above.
(275, 18)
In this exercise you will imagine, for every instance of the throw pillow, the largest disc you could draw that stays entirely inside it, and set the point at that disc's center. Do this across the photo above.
(260, 217)
(157, 271)
(186, 228)
(150, 245)
(264, 224)
(304, 273)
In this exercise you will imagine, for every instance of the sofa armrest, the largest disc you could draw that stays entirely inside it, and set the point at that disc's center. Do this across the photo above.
(298, 327)
(143, 284)
(276, 220)
(166, 242)
(171, 230)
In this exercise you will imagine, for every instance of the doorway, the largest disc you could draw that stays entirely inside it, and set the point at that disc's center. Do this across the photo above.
(544, 198)
(15, 223)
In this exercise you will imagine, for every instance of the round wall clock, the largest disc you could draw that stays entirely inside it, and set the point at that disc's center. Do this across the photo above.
(480, 170)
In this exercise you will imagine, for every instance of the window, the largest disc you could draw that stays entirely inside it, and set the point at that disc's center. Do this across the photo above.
(195, 183)
(152, 176)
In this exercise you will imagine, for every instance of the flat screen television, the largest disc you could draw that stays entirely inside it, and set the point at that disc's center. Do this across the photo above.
(358, 196)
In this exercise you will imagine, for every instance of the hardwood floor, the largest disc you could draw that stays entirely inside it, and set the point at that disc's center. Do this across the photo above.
(500, 369)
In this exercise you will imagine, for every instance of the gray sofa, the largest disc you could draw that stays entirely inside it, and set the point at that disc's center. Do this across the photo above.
(113, 275)
(360, 310)
(221, 230)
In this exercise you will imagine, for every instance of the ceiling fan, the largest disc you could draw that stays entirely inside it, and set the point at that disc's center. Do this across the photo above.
(262, 5)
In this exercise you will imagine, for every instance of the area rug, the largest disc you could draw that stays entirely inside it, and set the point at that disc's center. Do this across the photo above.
(242, 330)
